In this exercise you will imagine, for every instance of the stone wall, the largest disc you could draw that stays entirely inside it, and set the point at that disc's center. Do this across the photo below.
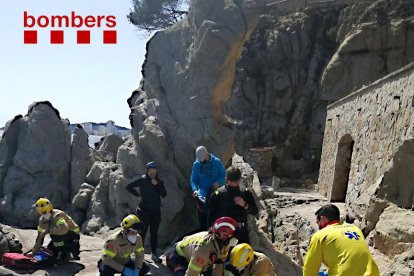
(363, 131)
(261, 160)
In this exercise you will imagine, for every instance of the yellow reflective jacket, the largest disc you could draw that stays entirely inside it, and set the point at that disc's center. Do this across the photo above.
(202, 251)
(260, 266)
(342, 248)
(59, 224)
(117, 251)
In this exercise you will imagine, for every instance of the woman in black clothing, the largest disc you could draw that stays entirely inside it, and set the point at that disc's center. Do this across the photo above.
(149, 209)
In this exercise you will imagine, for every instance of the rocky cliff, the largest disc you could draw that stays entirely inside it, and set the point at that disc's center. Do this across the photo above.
(234, 75)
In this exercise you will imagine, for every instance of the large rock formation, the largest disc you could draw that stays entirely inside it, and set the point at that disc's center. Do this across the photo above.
(81, 161)
(35, 153)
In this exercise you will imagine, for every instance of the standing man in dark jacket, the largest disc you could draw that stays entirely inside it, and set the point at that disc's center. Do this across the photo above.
(230, 201)
(149, 209)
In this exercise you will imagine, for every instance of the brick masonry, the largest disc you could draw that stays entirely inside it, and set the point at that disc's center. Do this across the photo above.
(376, 118)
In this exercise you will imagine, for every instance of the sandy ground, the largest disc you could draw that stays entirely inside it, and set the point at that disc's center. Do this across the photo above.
(91, 249)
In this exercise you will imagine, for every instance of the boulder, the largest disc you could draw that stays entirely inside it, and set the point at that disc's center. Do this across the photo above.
(402, 265)
(394, 231)
(96, 171)
(40, 164)
(81, 162)
(8, 242)
(109, 147)
(82, 198)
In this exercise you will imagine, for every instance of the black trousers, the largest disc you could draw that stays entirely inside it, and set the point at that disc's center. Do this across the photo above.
(151, 219)
(202, 211)
(62, 245)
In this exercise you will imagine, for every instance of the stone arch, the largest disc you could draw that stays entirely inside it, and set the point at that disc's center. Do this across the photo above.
(342, 168)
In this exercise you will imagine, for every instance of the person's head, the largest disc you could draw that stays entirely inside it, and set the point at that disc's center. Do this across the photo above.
(233, 177)
(241, 256)
(326, 214)
(131, 226)
(201, 154)
(223, 229)
(44, 207)
(152, 169)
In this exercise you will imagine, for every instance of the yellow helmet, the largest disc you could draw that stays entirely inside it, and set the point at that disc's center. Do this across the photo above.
(43, 206)
(132, 222)
(241, 255)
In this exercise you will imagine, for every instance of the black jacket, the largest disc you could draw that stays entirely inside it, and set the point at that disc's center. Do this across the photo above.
(222, 205)
(150, 194)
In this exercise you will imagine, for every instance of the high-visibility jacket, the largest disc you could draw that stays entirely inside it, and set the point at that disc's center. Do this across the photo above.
(202, 251)
(342, 248)
(58, 224)
(260, 266)
(117, 251)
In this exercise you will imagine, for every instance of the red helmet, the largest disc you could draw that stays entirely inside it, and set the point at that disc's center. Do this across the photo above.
(224, 227)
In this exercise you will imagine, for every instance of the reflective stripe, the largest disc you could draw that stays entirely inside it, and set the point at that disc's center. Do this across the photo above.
(231, 226)
(243, 256)
(126, 255)
(40, 229)
(194, 267)
(139, 250)
(179, 250)
(60, 221)
(59, 244)
(76, 230)
(109, 253)
(216, 192)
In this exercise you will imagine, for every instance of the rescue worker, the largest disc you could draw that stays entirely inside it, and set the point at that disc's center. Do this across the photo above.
(116, 256)
(244, 261)
(340, 246)
(63, 231)
(207, 175)
(149, 209)
(231, 201)
(204, 252)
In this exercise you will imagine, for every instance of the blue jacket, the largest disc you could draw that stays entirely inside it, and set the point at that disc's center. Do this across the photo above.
(203, 176)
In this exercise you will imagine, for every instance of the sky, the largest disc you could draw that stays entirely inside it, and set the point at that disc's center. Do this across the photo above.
(86, 83)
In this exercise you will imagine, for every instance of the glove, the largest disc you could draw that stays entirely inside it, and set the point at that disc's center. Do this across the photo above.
(130, 271)
(323, 273)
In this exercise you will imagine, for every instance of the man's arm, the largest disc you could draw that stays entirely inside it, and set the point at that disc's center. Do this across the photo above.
(251, 207)
(221, 173)
(60, 227)
(42, 230)
(139, 253)
(195, 178)
(313, 258)
(199, 259)
(131, 187)
(109, 254)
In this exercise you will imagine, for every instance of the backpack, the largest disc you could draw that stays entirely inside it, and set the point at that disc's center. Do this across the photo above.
(41, 259)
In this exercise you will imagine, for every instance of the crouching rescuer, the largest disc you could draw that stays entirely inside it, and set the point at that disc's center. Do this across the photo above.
(203, 253)
(63, 231)
(116, 256)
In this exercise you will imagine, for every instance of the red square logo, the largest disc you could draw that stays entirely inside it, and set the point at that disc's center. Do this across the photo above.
(83, 37)
(109, 37)
(56, 37)
(30, 37)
